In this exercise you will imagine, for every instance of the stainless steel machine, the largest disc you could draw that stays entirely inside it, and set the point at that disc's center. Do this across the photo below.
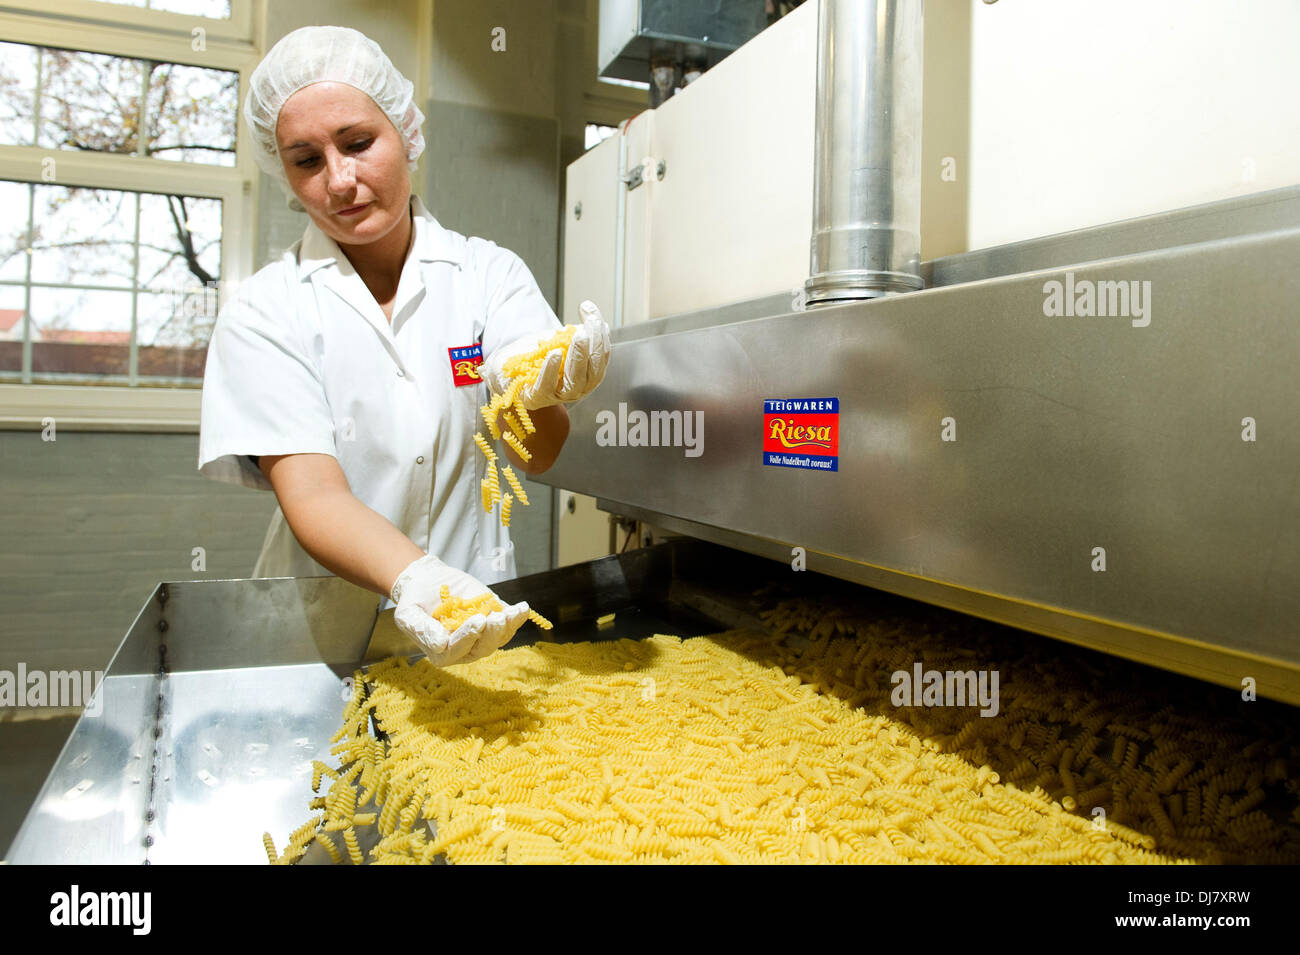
(1132, 489)
(1088, 435)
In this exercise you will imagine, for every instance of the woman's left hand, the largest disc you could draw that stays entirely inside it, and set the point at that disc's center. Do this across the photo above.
(579, 374)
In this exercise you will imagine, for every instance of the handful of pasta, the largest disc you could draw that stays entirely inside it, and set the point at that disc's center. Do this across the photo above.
(452, 612)
(523, 370)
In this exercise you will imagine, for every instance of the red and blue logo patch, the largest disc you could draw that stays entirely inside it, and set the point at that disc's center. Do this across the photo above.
(802, 433)
(465, 360)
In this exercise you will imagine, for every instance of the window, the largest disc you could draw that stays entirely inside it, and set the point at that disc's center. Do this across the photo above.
(107, 283)
(120, 170)
(598, 133)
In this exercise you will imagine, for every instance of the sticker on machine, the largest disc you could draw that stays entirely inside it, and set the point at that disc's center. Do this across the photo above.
(465, 360)
(802, 433)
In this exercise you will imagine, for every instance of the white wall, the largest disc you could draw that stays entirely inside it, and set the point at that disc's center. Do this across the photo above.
(468, 69)
(1089, 111)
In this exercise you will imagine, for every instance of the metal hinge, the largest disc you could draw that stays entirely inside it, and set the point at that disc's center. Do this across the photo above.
(636, 175)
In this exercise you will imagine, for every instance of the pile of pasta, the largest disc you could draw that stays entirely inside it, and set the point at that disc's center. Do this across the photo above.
(784, 746)
(523, 370)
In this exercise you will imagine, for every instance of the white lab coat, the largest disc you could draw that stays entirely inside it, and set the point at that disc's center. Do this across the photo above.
(302, 360)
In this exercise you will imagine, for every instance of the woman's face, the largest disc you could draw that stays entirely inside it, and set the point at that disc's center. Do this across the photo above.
(340, 151)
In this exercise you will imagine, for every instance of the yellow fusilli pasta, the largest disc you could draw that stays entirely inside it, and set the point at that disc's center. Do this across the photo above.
(485, 447)
(510, 439)
(523, 370)
(515, 484)
(745, 746)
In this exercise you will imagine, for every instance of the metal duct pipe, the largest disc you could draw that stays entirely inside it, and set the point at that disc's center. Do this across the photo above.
(866, 232)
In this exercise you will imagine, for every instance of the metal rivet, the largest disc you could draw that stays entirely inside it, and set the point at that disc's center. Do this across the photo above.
(577, 211)
(661, 169)
(420, 459)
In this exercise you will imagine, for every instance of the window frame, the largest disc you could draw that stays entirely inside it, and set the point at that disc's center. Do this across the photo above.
(239, 25)
(230, 45)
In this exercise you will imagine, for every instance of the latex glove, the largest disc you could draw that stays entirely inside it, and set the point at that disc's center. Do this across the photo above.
(418, 590)
(577, 377)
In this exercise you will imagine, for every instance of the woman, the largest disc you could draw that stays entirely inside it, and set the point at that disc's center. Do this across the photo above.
(344, 376)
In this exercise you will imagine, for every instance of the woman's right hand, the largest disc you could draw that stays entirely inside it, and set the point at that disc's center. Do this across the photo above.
(362, 546)
(418, 590)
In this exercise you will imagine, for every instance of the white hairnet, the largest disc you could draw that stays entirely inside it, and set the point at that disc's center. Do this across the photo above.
(320, 54)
